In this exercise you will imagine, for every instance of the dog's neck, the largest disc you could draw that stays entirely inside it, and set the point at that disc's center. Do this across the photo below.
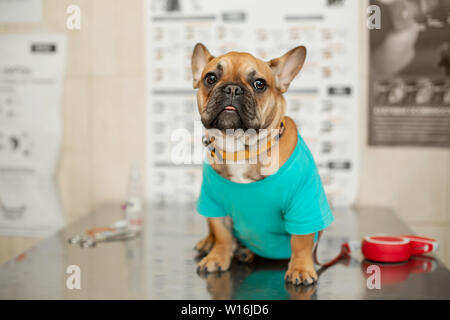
(243, 157)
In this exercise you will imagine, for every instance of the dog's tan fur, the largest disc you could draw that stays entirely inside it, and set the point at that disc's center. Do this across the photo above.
(218, 245)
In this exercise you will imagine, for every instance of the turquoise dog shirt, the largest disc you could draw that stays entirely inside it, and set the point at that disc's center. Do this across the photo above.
(267, 212)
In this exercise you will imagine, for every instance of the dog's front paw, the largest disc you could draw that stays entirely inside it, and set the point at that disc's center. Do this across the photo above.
(218, 259)
(298, 275)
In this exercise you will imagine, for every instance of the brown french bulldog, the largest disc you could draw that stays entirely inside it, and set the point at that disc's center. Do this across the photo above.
(238, 91)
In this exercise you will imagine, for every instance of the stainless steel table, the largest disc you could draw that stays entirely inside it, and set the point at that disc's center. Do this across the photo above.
(160, 264)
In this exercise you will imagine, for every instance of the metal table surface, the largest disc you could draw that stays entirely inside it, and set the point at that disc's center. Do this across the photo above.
(160, 264)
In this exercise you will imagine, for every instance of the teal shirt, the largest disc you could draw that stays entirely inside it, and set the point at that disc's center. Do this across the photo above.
(267, 212)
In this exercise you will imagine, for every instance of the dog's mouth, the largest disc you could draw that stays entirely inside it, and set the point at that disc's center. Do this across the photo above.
(223, 113)
(228, 117)
(230, 108)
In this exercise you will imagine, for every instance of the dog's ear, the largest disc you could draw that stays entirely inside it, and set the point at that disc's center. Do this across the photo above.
(286, 67)
(200, 57)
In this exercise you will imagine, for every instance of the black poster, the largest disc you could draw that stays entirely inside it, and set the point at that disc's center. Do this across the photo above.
(409, 102)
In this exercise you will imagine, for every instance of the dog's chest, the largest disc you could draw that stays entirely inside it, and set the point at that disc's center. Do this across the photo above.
(239, 173)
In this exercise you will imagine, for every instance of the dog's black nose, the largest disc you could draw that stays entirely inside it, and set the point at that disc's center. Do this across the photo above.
(233, 90)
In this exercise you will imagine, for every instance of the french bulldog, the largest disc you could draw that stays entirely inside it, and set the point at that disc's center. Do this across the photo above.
(237, 93)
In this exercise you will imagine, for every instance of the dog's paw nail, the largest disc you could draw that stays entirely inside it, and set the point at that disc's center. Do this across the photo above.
(219, 269)
(297, 281)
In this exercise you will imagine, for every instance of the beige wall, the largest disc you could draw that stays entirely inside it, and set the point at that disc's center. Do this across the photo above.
(103, 104)
(104, 127)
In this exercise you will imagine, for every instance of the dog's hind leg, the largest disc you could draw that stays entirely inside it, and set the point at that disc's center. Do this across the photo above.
(205, 245)
(221, 253)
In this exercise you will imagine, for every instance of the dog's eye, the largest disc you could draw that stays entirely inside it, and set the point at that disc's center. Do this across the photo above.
(211, 78)
(259, 84)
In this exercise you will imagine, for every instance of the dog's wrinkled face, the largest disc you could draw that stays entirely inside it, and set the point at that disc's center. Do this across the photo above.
(239, 91)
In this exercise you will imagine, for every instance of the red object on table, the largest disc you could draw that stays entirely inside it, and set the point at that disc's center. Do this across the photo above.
(388, 248)
(382, 248)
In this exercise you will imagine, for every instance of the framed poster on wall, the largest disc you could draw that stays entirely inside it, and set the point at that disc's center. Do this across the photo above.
(409, 99)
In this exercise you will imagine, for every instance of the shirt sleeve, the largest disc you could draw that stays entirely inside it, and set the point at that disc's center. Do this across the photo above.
(208, 205)
(308, 210)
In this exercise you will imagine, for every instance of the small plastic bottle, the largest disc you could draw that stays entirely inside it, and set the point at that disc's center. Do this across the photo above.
(133, 208)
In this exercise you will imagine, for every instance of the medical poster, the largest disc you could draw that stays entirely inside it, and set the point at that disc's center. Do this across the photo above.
(20, 11)
(322, 100)
(409, 103)
(31, 79)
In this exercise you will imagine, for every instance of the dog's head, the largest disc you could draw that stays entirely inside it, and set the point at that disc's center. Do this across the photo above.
(238, 91)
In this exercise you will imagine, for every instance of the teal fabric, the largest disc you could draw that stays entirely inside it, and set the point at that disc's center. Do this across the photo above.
(266, 213)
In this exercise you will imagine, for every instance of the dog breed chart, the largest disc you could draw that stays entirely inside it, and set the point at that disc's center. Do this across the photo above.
(322, 100)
